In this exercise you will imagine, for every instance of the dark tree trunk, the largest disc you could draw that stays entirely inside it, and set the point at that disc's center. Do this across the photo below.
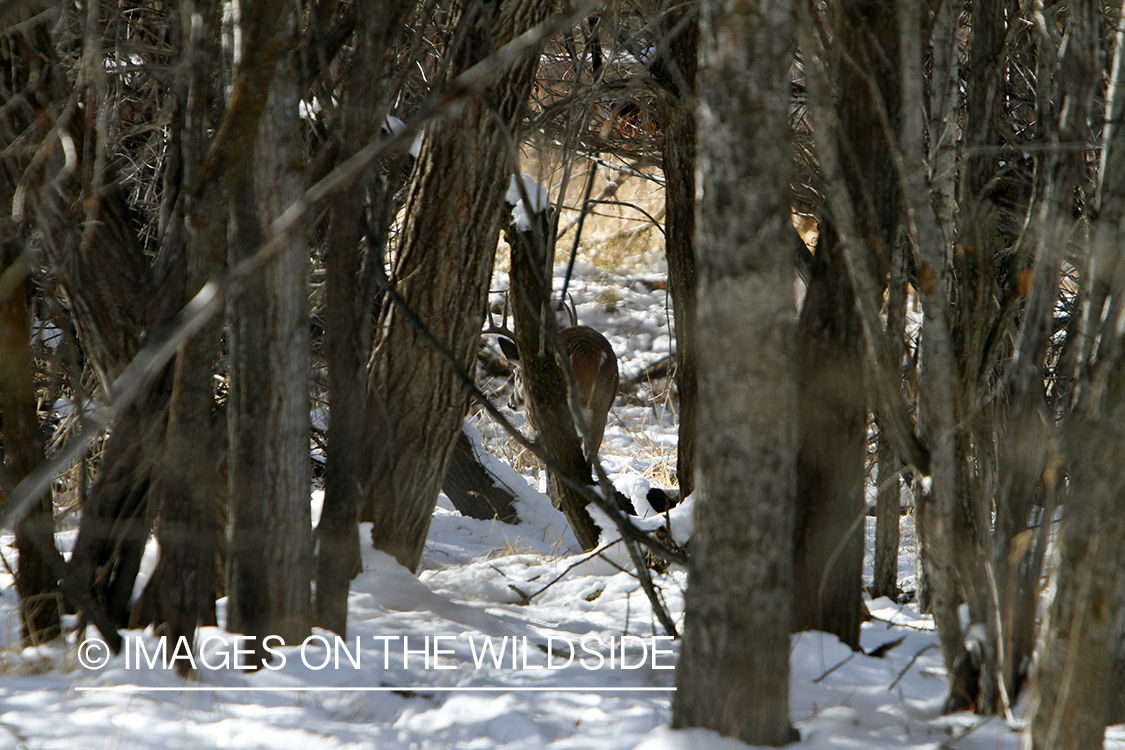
(929, 204)
(28, 75)
(443, 269)
(1077, 683)
(1025, 429)
(270, 566)
(676, 71)
(888, 499)
(973, 308)
(833, 400)
(1074, 678)
(23, 450)
(733, 675)
(472, 490)
(115, 523)
(347, 307)
(828, 533)
(100, 264)
(183, 585)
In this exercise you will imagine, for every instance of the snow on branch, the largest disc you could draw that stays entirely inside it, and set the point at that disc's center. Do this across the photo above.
(535, 193)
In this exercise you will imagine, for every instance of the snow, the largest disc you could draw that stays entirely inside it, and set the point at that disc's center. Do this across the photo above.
(536, 194)
(46, 333)
(393, 126)
(475, 651)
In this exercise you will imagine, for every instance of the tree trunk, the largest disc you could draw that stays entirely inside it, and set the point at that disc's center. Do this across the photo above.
(888, 512)
(443, 271)
(100, 263)
(545, 377)
(833, 400)
(733, 675)
(270, 564)
(347, 338)
(1025, 429)
(934, 508)
(1074, 677)
(832, 409)
(1075, 690)
(888, 499)
(183, 585)
(473, 491)
(676, 71)
(23, 450)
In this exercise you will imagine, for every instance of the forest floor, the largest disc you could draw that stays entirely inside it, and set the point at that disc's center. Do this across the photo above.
(453, 658)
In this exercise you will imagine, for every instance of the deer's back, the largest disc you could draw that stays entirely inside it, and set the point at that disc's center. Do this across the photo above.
(595, 370)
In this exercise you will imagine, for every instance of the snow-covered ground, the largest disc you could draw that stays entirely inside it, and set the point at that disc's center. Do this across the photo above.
(458, 657)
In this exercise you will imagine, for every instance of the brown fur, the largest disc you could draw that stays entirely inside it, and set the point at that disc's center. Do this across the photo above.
(595, 370)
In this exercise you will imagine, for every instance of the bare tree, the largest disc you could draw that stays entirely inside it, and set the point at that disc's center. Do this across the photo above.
(1076, 687)
(23, 443)
(186, 575)
(547, 374)
(270, 564)
(856, 116)
(675, 68)
(348, 305)
(442, 269)
(733, 675)
(98, 260)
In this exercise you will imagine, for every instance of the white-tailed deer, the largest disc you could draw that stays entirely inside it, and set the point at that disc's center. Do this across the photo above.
(594, 365)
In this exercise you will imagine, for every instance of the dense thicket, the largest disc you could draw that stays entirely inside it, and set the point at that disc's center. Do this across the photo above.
(216, 218)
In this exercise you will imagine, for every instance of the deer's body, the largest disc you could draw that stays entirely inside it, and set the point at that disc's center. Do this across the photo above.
(595, 371)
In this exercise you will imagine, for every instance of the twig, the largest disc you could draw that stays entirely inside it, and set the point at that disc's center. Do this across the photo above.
(906, 669)
(571, 567)
(833, 668)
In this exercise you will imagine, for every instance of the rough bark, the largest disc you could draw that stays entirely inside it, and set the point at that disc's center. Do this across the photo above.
(183, 586)
(733, 675)
(863, 207)
(270, 564)
(347, 340)
(472, 490)
(544, 363)
(443, 270)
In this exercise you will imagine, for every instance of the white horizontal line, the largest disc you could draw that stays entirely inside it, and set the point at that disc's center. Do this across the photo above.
(380, 689)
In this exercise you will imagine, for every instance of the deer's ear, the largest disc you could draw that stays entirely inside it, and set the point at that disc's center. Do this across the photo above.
(509, 348)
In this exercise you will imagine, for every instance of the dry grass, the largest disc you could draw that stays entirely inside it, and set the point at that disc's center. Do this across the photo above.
(661, 458)
(620, 232)
(501, 445)
(626, 250)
